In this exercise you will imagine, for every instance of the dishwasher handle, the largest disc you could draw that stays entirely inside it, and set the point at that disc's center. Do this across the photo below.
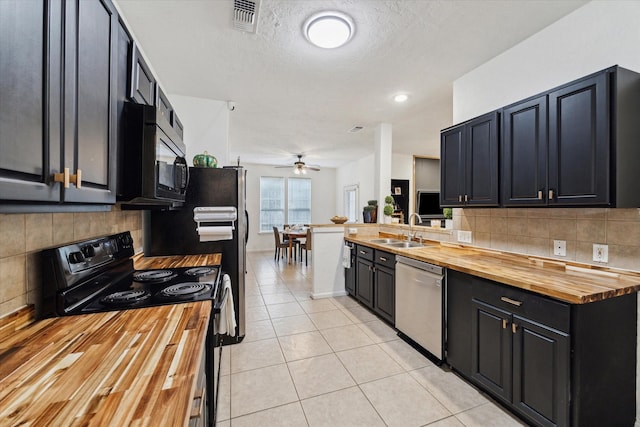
(420, 265)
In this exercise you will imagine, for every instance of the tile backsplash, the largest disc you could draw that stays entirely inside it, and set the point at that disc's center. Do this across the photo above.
(23, 236)
(532, 231)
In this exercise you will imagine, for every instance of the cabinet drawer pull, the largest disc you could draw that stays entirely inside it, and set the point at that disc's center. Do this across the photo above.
(363, 252)
(65, 178)
(511, 301)
(196, 412)
(514, 328)
(504, 323)
(550, 194)
(383, 259)
(540, 195)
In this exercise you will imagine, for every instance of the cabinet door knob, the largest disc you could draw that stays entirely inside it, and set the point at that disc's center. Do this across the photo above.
(514, 328)
(466, 198)
(550, 194)
(540, 195)
(459, 197)
(504, 323)
(65, 178)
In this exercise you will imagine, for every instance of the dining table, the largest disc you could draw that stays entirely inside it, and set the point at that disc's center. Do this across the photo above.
(292, 234)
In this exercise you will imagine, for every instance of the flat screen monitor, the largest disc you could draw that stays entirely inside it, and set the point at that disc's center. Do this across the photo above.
(429, 205)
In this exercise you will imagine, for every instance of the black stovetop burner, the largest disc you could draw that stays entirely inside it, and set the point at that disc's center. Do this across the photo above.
(98, 275)
(153, 276)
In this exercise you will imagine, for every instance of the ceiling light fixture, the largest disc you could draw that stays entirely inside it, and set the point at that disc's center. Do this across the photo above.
(329, 29)
(401, 97)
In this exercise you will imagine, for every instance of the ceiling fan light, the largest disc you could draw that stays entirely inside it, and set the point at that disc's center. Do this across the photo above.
(296, 170)
(328, 30)
(304, 171)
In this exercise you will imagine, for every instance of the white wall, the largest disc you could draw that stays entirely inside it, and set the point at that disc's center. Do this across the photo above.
(594, 37)
(360, 173)
(323, 206)
(206, 126)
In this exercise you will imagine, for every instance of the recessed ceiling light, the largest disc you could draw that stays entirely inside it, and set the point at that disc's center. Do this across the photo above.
(329, 30)
(401, 97)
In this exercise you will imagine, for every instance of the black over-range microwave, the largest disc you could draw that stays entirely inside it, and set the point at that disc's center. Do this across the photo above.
(152, 169)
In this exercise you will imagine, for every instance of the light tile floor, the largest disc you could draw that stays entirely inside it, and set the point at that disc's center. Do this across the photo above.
(331, 362)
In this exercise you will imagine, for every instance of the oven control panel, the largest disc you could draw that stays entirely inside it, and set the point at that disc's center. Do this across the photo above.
(70, 264)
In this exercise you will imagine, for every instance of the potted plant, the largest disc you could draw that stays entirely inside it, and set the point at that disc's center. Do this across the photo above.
(448, 215)
(370, 212)
(388, 209)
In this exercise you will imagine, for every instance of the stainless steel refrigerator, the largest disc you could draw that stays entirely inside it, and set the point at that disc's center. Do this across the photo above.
(174, 232)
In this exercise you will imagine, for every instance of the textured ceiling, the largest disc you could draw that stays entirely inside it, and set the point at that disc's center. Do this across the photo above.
(292, 97)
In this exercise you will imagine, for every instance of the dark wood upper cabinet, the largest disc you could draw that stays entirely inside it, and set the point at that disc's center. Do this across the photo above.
(575, 145)
(524, 153)
(30, 96)
(164, 106)
(580, 144)
(469, 163)
(59, 112)
(143, 83)
(90, 99)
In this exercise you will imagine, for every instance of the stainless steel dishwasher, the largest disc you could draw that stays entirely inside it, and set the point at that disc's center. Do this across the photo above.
(419, 303)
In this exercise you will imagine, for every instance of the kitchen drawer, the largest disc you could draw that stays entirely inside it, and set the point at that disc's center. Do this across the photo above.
(364, 252)
(541, 309)
(385, 258)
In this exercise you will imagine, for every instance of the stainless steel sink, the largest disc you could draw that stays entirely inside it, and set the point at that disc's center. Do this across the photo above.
(404, 244)
(385, 241)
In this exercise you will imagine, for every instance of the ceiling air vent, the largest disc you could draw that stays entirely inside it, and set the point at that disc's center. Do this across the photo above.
(356, 129)
(245, 15)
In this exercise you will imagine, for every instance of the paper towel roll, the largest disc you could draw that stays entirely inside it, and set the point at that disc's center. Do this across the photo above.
(210, 234)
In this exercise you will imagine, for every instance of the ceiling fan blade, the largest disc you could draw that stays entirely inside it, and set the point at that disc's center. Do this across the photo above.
(312, 168)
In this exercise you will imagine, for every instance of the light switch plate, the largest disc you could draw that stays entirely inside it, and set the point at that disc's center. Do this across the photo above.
(560, 247)
(601, 253)
(353, 230)
(464, 236)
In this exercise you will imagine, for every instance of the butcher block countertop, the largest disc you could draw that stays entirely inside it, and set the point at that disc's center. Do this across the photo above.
(565, 281)
(140, 262)
(129, 367)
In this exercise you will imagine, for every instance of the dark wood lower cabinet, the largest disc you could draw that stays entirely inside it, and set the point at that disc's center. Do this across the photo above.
(491, 349)
(540, 372)
(550, 362)
(371, 280)
(364, 279)
(384, 302)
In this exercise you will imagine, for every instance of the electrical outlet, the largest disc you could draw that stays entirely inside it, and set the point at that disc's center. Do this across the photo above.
(560, 247)
(601, 253)
(464, 236)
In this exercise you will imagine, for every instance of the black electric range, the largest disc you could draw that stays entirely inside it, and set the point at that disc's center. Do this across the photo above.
(97, 275)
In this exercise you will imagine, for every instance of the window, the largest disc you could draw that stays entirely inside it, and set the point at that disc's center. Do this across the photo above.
(299, 211)
(271, 203)
(351, 203)
(274, 205)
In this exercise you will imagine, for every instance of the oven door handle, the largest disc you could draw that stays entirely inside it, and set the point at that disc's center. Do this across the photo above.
(219, 306)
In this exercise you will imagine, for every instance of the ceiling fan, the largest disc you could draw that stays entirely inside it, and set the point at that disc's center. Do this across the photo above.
(300, 167)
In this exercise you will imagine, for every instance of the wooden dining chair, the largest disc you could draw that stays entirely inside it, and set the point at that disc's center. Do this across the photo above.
(279, 244)
(306, 245)
(295, 243)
